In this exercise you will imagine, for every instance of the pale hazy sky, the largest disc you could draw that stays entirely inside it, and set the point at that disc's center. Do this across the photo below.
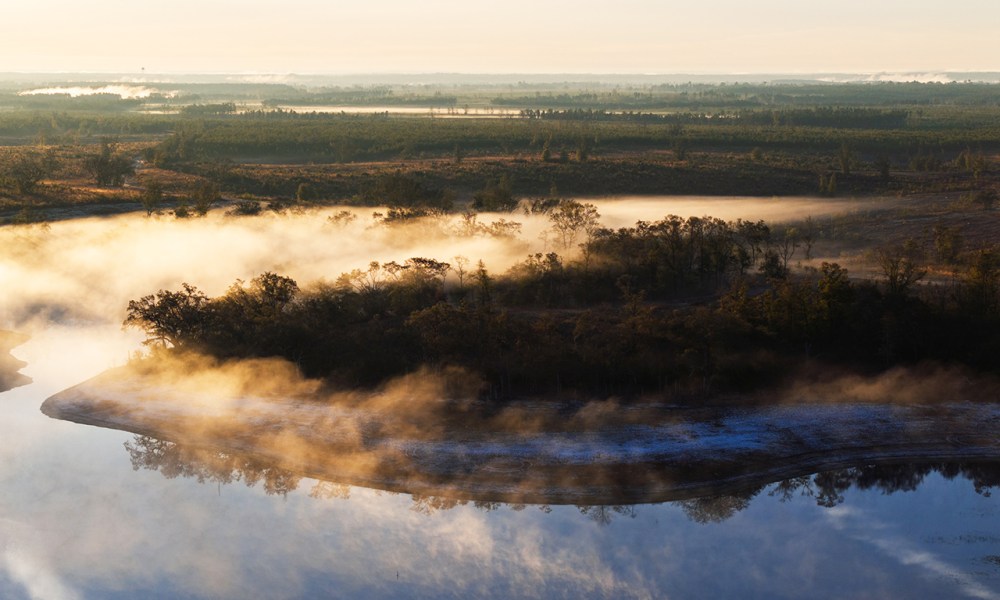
(523, 36)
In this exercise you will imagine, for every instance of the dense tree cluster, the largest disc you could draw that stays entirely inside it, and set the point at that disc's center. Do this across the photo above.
(618, 320)
(108, 166)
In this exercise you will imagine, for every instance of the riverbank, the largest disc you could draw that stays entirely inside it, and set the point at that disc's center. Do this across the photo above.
(9, 365)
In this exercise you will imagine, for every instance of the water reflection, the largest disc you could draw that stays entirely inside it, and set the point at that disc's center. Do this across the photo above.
(173, 460)
(9, 366)
(826, 489)
(408, 437)
(78, 521)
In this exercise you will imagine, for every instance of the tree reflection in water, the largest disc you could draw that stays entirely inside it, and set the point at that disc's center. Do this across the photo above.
(602, 514)
(173, 460)
(716, 509)
(826, 488)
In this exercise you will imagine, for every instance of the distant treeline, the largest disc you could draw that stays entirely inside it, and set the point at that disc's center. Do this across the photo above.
(870, 93)
(614, 101)
(343, 138)
(63, 125)
(693, 98)
(209, 110)
(373, 96)
(348, 138)
(608, 323)
(526, 178)
(765, 95)
(835, 117)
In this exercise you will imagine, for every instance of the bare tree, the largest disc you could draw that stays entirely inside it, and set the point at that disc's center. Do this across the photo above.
(900, 267)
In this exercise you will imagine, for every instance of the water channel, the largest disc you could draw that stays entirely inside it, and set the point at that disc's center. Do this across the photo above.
(94, 513)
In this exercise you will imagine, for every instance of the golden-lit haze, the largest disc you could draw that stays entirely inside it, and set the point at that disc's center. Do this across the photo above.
(90, 268)
(391, 36)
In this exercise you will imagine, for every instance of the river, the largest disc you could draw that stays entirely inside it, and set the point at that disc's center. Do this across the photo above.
(93, 513)
(77, 520)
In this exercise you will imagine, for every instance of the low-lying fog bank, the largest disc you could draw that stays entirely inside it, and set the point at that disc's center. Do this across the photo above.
(423, 431)
(624, 211)
(88, 269)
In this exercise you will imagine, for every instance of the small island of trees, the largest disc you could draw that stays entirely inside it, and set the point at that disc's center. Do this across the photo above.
(684, 306)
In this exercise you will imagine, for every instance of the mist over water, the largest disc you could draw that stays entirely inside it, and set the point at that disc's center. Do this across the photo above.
(126, 92)
(88, 269)
(624, 211)
(78, 522)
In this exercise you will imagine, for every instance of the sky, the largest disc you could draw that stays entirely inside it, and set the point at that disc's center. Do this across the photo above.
(503, 36)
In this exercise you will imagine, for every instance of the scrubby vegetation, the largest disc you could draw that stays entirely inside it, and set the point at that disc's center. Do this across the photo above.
(685, 306)
(489, 146)
(679, 304)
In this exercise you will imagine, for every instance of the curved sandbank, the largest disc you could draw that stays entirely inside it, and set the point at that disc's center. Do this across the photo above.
(534, 452)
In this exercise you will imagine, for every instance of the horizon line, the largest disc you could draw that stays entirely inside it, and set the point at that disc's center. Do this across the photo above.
(503, 73)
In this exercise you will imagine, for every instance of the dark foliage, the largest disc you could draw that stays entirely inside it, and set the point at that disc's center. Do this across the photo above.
(109, 167)
(398, 190)
(610, 324)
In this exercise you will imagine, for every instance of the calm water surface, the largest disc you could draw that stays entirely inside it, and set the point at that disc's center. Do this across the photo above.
(77, 520)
